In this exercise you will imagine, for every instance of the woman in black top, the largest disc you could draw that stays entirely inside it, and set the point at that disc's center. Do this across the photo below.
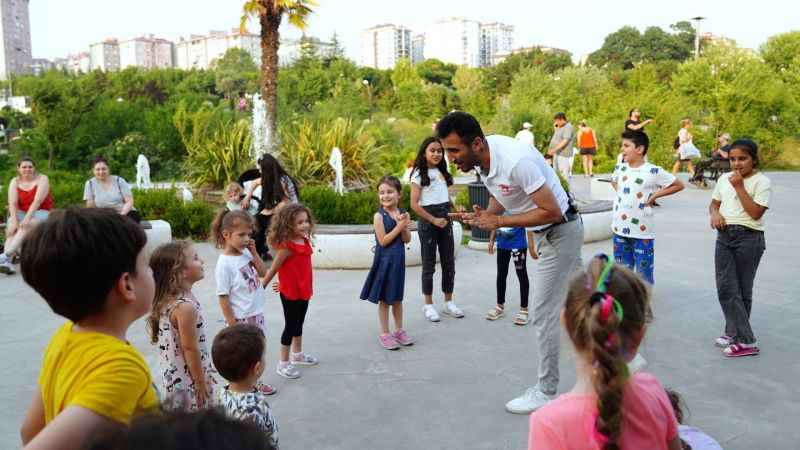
(633, 122)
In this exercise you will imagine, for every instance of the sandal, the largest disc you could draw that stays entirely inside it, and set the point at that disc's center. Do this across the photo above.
(495, 313)
(522, 318)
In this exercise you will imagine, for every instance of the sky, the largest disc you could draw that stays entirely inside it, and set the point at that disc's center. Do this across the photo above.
(60, 27)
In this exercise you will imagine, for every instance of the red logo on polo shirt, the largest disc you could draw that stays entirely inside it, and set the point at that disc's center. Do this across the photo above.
(504, 189)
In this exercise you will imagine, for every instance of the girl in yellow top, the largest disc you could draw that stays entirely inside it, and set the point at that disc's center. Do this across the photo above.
(90, 267)
(740, 199)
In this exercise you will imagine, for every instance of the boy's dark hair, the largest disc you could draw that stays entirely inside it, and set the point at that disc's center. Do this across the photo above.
(638, 137)
(463, 124)
(74, 258)
(748, 146)
(236, 349)
(560, 115)
(202, 430)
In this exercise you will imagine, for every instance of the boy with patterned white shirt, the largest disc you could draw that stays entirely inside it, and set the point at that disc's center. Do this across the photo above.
(238, 355)
(638, 185)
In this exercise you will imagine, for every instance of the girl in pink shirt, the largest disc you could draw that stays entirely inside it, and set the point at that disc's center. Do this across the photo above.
(605, 316)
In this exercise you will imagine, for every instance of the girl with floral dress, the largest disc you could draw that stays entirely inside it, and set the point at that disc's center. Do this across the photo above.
(176, 324)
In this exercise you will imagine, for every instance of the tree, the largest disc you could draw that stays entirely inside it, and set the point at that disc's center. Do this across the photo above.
(435, 71)
(234, 70)
(498, 78)
(474, 98)
(781, 51)
(270, 15)
(627, 46)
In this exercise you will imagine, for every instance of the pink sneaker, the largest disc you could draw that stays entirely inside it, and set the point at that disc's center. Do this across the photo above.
(403, 338)
(389, 342)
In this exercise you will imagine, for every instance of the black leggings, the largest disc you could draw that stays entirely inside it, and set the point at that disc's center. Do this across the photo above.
(520, 257)
(294, 314)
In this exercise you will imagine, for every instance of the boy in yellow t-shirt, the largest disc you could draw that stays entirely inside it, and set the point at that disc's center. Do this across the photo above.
(90, 267)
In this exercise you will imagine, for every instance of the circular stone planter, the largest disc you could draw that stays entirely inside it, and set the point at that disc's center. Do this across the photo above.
(353, 246)
(596, 217)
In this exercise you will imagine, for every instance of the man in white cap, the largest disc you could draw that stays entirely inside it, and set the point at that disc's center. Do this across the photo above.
(525, 134)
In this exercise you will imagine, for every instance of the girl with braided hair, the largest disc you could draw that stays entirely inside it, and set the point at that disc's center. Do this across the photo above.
(605, 316)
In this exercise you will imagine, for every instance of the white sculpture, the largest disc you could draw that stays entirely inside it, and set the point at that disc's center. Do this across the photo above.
(142, 172)
(259, 129)
(336, 162)
(187, 195)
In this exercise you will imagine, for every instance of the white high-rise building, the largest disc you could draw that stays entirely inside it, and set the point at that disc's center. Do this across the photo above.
(15, 28)
(418, 48)
(79, 63)
(105, 55)
(383, 45)
(454, 40)
(41, 65)
(200, 51)
(147, 51)
(291, 50)
(496, 38)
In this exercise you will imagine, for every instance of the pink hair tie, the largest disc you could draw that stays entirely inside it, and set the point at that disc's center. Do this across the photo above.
(606, 307)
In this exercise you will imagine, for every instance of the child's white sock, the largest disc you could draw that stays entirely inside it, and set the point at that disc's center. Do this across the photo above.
(283, 364)
(297, 356)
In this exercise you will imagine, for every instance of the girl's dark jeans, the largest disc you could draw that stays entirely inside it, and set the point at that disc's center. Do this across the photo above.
(738, 252)
(431, 237)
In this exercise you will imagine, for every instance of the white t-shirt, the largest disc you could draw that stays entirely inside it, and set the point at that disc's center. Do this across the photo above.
(515, 172)
(524, 136)
(631, 216)
(237, 278)
(757, 186)
(434, 193)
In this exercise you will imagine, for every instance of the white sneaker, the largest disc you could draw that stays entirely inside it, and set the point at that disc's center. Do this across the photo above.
(529, 402)
(637, 363)
(5, 265)
(303, 359)
(430, 313)
(288, 371)
(451, 309)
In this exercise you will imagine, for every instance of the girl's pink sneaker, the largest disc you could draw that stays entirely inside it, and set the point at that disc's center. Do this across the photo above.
(389, 342)
(403, 338)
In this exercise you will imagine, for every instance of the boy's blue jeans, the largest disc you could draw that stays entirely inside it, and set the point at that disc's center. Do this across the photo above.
(637, 254)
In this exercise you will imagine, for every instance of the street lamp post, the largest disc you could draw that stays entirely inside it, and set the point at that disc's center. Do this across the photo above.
(696, 21)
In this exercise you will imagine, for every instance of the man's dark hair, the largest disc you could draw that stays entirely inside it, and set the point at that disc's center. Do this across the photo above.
(748, 146)
(236, 349)
(560, 115)
(208, 429)
(74, 258)
(639, 138)
(463, 124)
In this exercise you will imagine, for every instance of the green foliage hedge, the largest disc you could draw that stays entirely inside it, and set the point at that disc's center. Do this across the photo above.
(329, 207)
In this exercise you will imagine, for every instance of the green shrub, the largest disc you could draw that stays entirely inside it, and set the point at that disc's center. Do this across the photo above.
(357, 207)
(187, 220)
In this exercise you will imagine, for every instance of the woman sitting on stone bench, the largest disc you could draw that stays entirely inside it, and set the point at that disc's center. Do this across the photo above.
(109, 191)
(29, 202)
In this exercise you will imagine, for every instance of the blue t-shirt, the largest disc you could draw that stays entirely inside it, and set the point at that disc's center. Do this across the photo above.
(511, 238)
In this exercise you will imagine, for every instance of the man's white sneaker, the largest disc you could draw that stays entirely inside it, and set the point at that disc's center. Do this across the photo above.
(529, 402)
(451, 309)
(430, 313)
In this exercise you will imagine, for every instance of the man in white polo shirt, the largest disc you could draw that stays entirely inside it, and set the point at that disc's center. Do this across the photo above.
(523, 185)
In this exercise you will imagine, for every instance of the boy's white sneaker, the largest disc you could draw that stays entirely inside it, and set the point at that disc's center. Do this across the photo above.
(430, 313)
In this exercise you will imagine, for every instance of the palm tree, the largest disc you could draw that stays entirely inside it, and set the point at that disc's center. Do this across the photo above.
(270, 14)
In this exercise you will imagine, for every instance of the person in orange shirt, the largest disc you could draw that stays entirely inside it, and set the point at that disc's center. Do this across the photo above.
(91, 268)
(587, 144)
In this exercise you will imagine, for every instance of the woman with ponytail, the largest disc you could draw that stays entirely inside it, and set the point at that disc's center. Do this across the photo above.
(605, 316)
